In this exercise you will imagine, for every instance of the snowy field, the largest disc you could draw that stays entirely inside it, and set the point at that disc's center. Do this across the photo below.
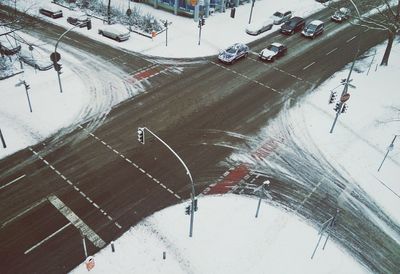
(227, 238)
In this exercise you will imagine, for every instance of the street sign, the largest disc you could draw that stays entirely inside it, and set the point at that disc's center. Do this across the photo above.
(345, 97)
(55, 57)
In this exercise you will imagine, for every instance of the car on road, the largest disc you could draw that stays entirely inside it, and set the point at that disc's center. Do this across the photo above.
(78, 19)
(341, 15)
(233, 53)
(51, 11)
(117, 32)
(293, 25)
(272, 52)
(281, 17)
(313, 29)
(257, 28)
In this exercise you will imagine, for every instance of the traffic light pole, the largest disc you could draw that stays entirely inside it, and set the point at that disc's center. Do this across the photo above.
(345, 88)
(390, 148)
(193, 194)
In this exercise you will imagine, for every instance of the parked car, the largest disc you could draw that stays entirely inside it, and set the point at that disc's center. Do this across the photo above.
(116, 31)
(281, 17)
(51, 11)
(313, 29)
(257, 28)
(233, 53)
(35, 57)
(78, 19)
(322, 1)
(293, 25)
(273, 51)
(341, 15)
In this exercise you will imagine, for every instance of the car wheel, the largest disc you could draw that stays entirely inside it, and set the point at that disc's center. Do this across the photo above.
(246, 54)
(118, 39)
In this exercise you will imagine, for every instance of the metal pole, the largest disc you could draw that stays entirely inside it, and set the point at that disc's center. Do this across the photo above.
(258, 206)
(345, 88)
(388, 150)
(193, 194)
(166, 33)
(55, 53)
(84, 246)
(199, 30)
(2, 140)
(27, 96)
(251, 11)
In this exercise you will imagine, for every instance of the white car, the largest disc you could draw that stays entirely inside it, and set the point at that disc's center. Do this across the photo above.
(273, 51)
(116, 31)
(51, 11)
(341, 15)
(257, 28)
(233, 53)
(78, 19)
(281, 17)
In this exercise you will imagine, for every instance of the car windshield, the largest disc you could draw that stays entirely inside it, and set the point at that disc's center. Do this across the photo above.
(278, 14)
(293, 23)
(273, 48)
(231, 50)
(311, 27)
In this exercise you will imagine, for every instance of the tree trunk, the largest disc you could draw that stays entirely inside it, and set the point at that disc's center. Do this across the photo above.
(388, 49)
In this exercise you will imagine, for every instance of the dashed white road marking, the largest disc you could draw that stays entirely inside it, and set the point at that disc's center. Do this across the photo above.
(13, 181)
(329, 52)
(76, 221)
(306, 67)
(351, 38)
(22, 213)
(47, 238)
(69, 182)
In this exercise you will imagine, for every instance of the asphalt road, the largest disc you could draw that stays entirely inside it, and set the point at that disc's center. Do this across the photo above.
(99, 181)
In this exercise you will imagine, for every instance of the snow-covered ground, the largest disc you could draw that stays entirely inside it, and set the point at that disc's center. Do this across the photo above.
(227, 238)
(219, 31)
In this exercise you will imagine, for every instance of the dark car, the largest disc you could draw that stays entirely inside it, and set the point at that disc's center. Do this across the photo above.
(233, 53)
(79, 19)
(51, 11)
(295, 24)
(272, 52)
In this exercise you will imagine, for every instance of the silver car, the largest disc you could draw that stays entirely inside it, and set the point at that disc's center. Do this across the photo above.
(281, 17)
(257, 28)
(116, 31)
(233, 53)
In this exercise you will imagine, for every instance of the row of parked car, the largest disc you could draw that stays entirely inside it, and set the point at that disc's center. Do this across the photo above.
(115, 31)
(290, 25)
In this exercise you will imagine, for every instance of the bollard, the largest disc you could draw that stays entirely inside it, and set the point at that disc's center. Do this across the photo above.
(164, 255)
(112, 246)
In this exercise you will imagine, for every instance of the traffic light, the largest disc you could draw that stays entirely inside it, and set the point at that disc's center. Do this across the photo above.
(233, 10)
(203, 21)
(332, 97)
(337, 107)
(140, 133)
(57, 67)
(187, 210)
(195, 205)
(344, 109)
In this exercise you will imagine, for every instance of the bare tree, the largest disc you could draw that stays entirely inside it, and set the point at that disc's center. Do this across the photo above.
(387, 18)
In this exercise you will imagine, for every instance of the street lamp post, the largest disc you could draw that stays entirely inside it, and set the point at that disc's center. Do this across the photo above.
(251, 11)
(141, 139)
(55, 56)
(390, 148)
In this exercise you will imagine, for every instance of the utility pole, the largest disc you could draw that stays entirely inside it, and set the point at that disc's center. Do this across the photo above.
(202, 22)
(262, 191)
(193, 207)
(109, 12)
(390, 148)
(251, 11)
(2, 139)
(27, 87)
(341, 106)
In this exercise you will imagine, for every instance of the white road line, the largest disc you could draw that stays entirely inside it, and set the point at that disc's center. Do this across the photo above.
(351, 38)
(118, 225)
(177, 196)
(76, 221)
(45, 239)
(22, 213)
(306, 67)
(13, 181)
(331, 51)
